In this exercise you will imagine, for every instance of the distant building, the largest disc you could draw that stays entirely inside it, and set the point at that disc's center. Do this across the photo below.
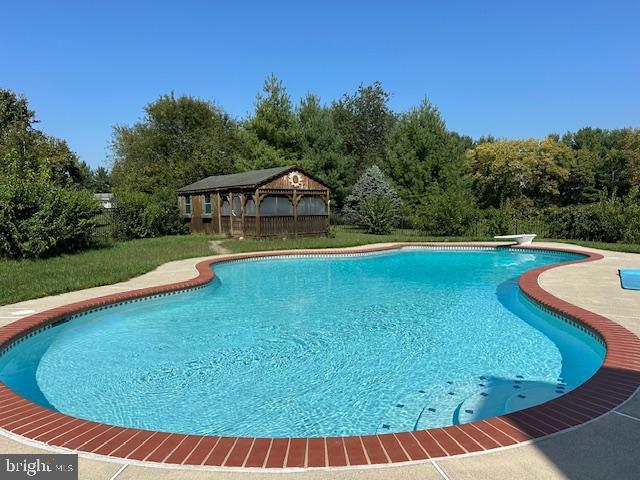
(274, 201)
(106, 199)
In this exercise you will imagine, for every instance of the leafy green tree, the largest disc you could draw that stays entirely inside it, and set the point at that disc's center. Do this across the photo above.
(581, 185)
(364, 120)
(360, 207)
(23, 145)
(14, 112)
(615, 154)
(515, 169)
(43, 208)
(484, 139)
(179, 141)
(631, 205)
(603, 221)
(630, 153)
(595, 140)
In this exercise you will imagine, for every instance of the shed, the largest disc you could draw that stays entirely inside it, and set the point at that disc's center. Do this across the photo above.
(105, 199)
(273, 201)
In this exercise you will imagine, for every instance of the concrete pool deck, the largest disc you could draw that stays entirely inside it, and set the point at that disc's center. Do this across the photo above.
(603, 448)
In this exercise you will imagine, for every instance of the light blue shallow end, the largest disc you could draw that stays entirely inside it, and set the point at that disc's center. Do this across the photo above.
(630, 278)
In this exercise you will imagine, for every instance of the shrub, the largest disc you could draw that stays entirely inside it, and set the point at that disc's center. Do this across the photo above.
(609, 220)
(39, 218)
(377, 215)
(360, 209)
(631, 206)
(141, 215)
(631, 232)
(512, 217)
(446, 213)
(603, 221)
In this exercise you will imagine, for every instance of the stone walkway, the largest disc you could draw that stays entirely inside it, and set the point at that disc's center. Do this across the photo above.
(606, 448)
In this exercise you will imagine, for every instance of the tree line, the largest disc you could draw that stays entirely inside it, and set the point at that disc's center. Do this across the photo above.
(442, 181)
(182, 139)
(446, 180)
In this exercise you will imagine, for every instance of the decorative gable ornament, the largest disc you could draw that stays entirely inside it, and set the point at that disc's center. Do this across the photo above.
(295, 179)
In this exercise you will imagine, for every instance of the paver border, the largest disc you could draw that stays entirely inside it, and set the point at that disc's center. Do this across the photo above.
(613, 384)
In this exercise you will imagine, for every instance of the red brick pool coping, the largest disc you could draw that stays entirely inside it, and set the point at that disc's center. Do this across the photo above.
(616, 380)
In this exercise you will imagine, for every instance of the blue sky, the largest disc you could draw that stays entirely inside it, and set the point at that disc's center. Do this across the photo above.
(508, 68)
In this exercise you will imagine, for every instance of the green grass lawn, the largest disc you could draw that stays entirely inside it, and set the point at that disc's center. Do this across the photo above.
(345, 236)
(617, 247)
(26, 279)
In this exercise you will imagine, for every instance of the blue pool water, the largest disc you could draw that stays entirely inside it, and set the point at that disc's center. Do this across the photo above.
(315, 347)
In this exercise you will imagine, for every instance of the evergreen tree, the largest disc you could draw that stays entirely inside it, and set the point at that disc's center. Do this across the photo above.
(272, 136)
(423, 155)
(323, 151)
(373, 203)
(365, 121)
(101, 180)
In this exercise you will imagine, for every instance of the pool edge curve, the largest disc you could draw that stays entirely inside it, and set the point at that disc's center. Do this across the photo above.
(612, 384)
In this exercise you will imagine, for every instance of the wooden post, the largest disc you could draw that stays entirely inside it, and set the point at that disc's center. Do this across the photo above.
(328, 210)
(294, 200)
(243, 199)
(230, 200)
(219, 210)
(256, 201)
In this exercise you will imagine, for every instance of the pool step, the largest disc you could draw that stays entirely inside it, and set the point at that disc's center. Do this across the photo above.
(414, 410)
(506, 396)
(445, 404)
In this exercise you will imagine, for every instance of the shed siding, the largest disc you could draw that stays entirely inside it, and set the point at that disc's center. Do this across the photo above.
(198, 223)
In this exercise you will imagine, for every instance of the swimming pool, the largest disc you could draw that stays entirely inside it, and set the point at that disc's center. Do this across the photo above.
(315, 346)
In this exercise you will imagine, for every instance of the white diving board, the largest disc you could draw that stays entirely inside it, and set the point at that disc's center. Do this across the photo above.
(521, 239)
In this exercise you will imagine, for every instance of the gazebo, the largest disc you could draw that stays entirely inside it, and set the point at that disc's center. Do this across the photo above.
(273, 201)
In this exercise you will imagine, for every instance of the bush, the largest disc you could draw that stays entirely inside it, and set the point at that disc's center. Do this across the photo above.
(141, 215)
(609, 220)
(511, 218)
(372, 200)
(446, 213)
(603, 221)
(39, 218)
(631, 232)
(632, 225)
(377, 215)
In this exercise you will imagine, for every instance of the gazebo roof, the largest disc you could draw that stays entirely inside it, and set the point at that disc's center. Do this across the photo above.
(249, 180)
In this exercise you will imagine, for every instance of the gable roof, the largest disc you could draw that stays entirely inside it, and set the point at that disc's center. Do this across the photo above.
(250, 179)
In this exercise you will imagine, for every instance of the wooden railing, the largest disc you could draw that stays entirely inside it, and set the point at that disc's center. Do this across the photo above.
(278, 225)
(249, 226)
(286, 225)
(312, 224)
